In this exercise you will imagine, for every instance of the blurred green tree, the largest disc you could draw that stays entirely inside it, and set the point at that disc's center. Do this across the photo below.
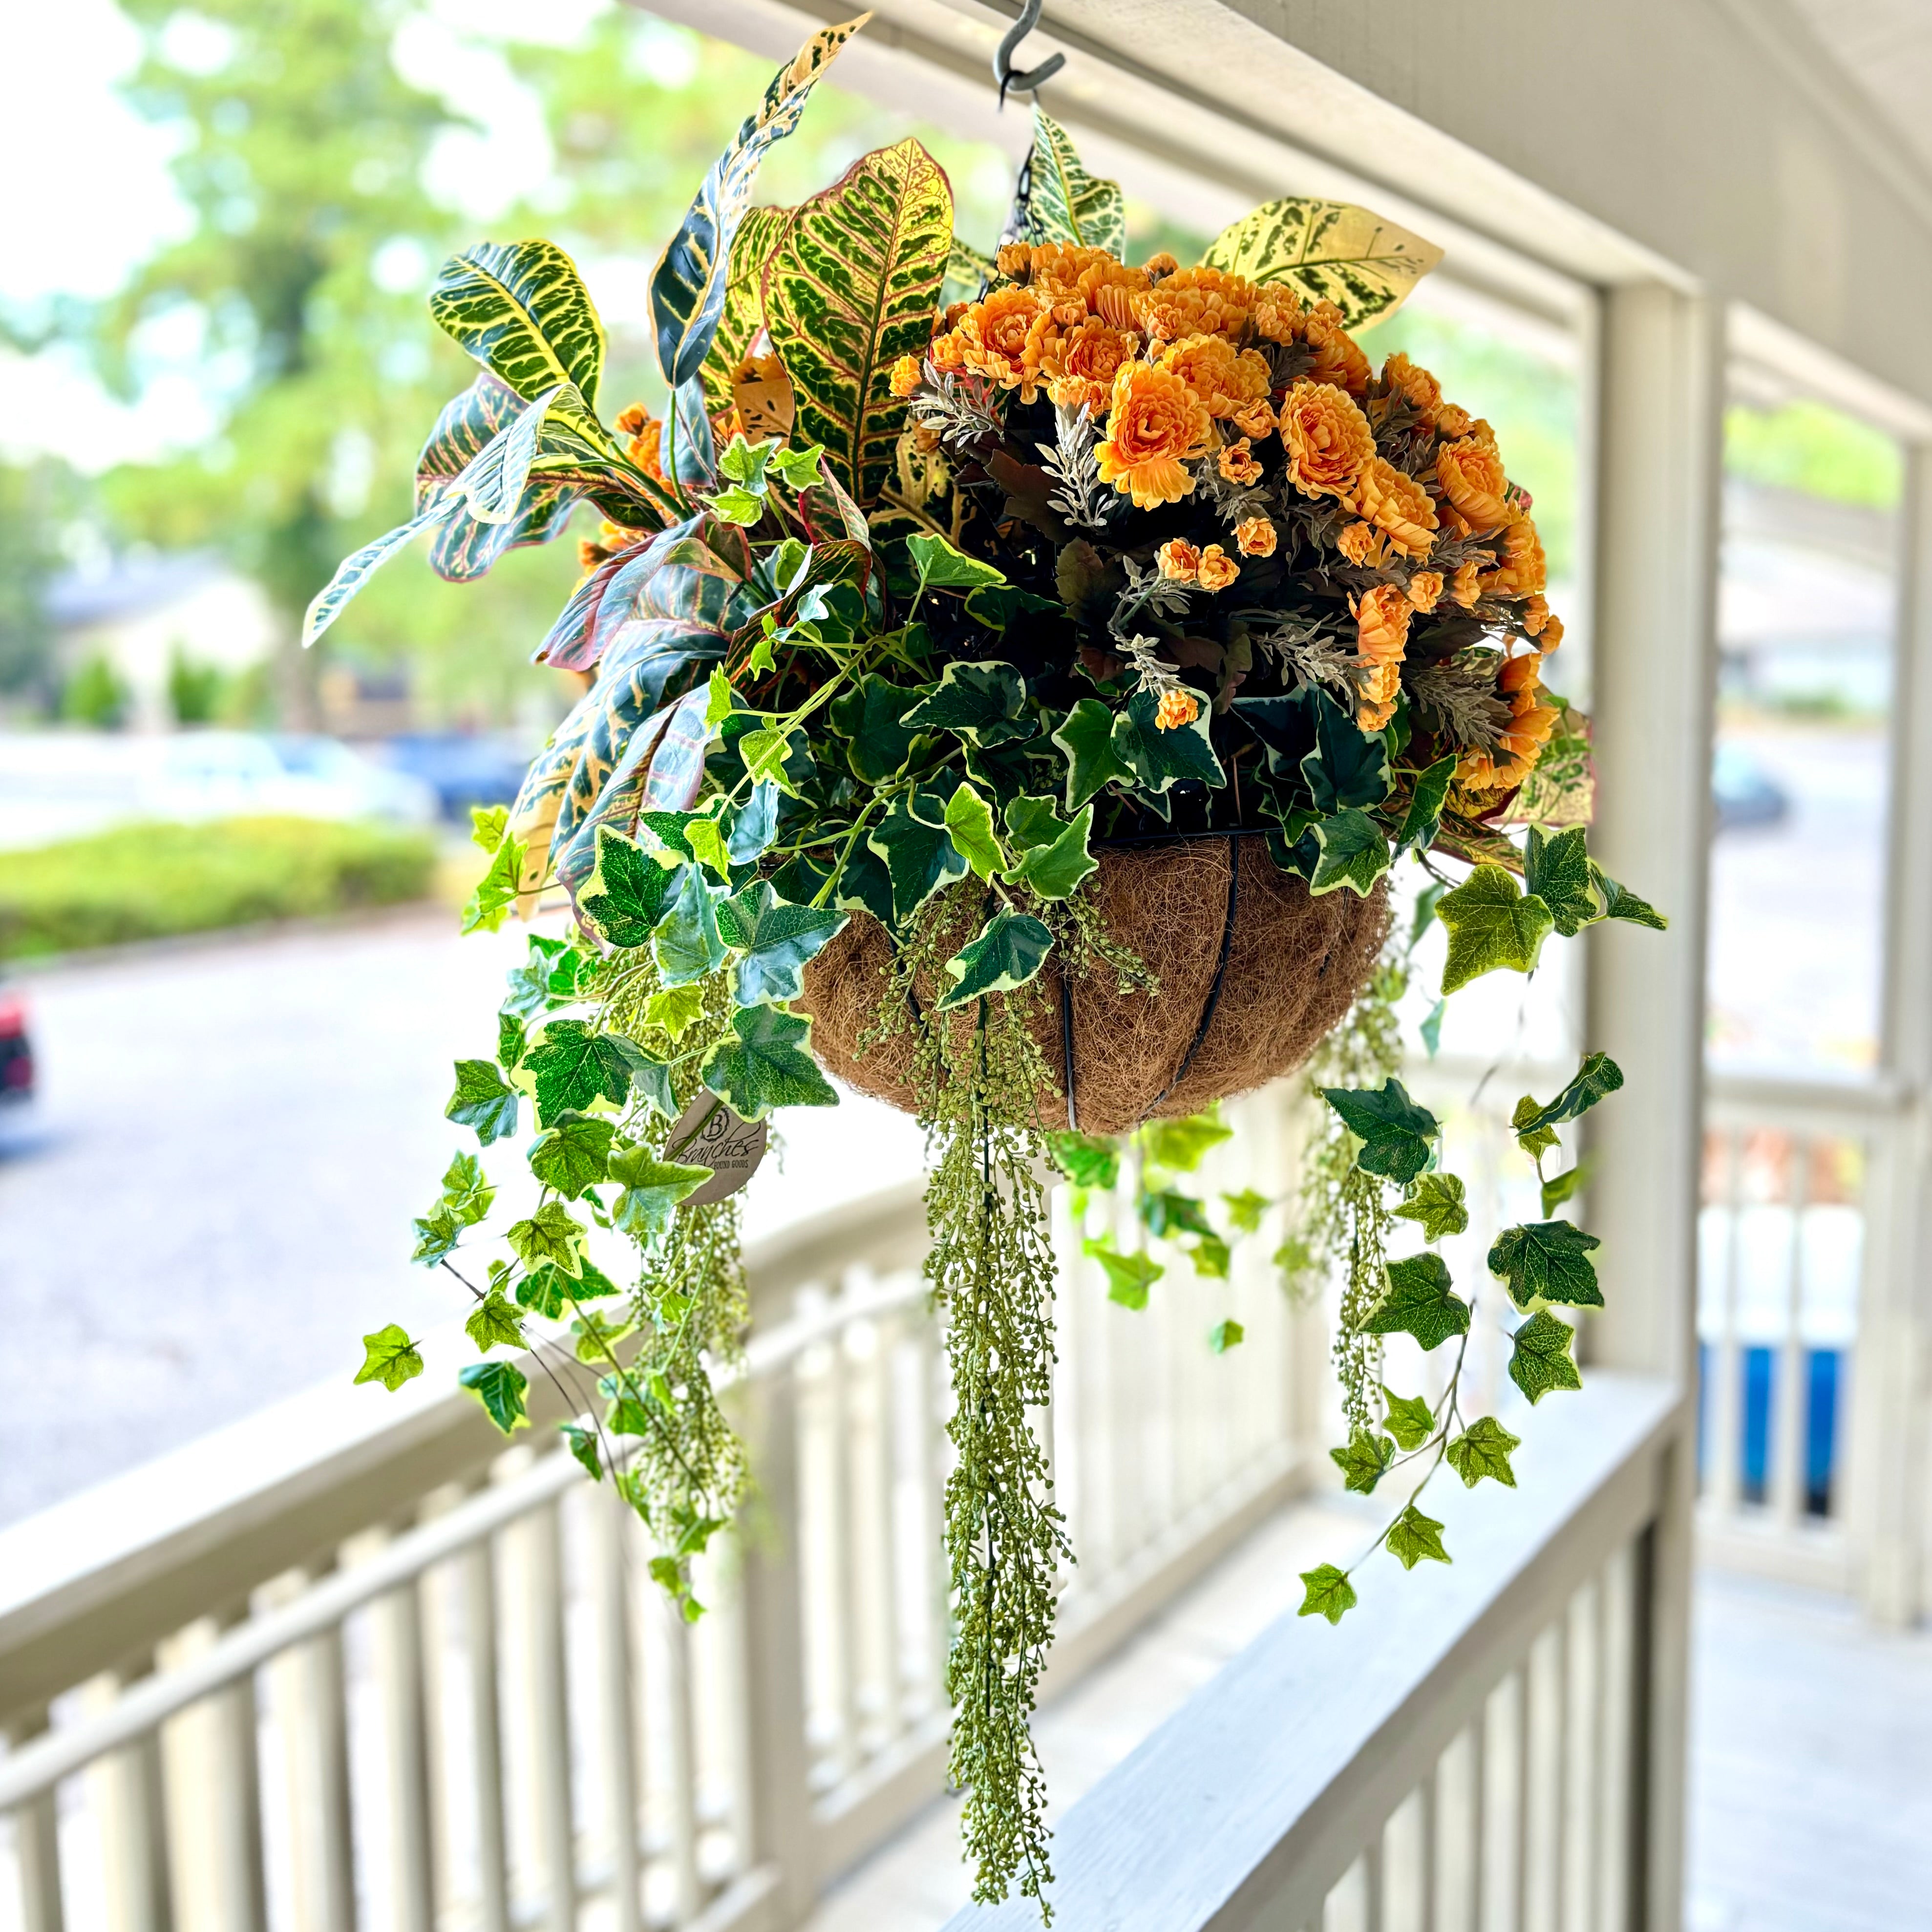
(35, 499)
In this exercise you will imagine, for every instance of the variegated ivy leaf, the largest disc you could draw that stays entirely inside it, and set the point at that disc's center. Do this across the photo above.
(521, 309)
(1327, 251)
(1063, 203)
(851, 287)
(687, 286)
(741, 313)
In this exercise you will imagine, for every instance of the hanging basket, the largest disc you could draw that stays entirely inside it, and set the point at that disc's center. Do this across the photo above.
(1252, 971)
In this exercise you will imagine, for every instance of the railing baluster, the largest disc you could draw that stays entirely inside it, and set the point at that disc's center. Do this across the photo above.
(476, 1578)
(1475, 1886)
(615, 1702)
(1428, 1797)
(1579, 1783)
(680, 1762)
(36, 1847)
(1374, 1900)
(1522, 1779)
(880, 1504)
(1724, 1412)
(928, 1435)
(128, 1794)
(1786, 1472)
(211, 1750)
(397, 1619)
(548, 1688)
(1617, 1698)
(312, 1716)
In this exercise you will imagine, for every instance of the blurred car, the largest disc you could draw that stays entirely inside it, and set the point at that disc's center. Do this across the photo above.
(16, 1052)
(231, 774)
(463, 768)
(1744, 792)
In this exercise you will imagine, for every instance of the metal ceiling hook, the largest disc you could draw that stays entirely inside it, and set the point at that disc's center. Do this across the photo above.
(1030, 80)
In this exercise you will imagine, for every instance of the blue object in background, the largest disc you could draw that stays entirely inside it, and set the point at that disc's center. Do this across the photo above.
(1754, 1458)
(1824, 1369)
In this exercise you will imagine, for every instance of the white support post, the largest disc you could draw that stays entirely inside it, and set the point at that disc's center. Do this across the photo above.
(1658, 451)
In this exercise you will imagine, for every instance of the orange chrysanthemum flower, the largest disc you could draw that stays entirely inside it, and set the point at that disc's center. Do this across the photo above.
(1360, 545)
(1057, 266)
(1217, 569)
(1328, 440)
(1255, 419)
(631, 421)
(1237, 463)
(1079, 366)
(1531, 721)
(1224, 378)
(1453, 421)
(1178, 560)
(1398, 506)
(1197, 301)
(1521, 571)
(1425, 590)
(1407, 382)
(1254, 536)
(1550, 636)
(1375, 703)
(1469, 584)
(1155, 423)
(1381, 639)
(1337, 360)
(1278, 315)
(905, 378)
(1157, 267)
(1469, 472)
(1176, 711)
(1014, 260)
(993, 335)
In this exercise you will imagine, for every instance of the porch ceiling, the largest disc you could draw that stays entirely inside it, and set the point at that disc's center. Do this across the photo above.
(1885, 48)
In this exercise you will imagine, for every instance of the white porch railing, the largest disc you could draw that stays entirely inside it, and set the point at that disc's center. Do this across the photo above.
(314, 1672)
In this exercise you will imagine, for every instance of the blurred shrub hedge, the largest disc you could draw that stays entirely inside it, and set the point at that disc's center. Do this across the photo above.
(149, 881)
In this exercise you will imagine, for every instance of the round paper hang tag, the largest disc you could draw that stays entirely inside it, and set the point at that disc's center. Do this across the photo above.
(708, 1133)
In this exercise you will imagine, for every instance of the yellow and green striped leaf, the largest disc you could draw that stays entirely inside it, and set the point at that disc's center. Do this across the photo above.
(743, 314)
(1327, 251)
(521, 309)
(688, 285)
(852, 287)
(968, 272)
(1062, 201)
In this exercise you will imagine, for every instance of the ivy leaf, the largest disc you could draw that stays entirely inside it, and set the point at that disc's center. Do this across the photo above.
(1179, 1146)
(1129, 1277)
(940, 567)
(1560, 1187)
(549, 1234)
(1483, 1449)
(1056, 865)
(1620, 903)
(969, 818)
(918, 850)
(1431, 1028)
(1427, 901)
(1396, 1134)
(1408, 1418)
(487, 823)
(752, 827)
(390, 1357)
(1549, 1258)
(596, 1337)
(1245, 1210)
(1557, 871)
(766, 751)
(650, 1079)
(570, 1067)
(572, 1155)
(437, 1233)
(1349, 766)
(707, 845)
(509, 1042)
(1541, 1360)
(687, 944)
(548, 1291)
(776, 939)
(1086, 735)
(1353, 853)
(1437, 1201)
(625, 895)
(466, 1192)
(499, 1386)
(494, 1321)
(1423, 818)
(1417, 1302)
(1159, 759)
(1533, 1140)
(1226, 1335)
(482, 1101)
(496, 891)
(1490, 924)
(1413, 1536)
(547, 977)
(584, 1446)
(652, 1188)
(763, 1064)
(1087, 1160)
(1167, 1213)
(983, 703)
(675, 1008)
(867, 715)
(1011, 948)
(1364, 1462)
(1598, 1077)
(1327, 1593)
(1210, 1258)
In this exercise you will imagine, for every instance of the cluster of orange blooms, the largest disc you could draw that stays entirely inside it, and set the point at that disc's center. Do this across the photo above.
(1166, 358)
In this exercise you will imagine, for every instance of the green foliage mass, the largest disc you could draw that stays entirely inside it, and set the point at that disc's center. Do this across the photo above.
(151, 881)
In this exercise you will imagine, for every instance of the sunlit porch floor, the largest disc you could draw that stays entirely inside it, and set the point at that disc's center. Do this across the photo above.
(1811, 1748)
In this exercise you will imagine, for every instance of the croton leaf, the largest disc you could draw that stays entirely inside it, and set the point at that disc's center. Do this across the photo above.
(775, 938)
(573, 1154)
(741, 313)
(918, 850)
(1063, 201)
(1483, 1449)
(851, 287)
(1413, 1536)
(569, 1066)
(764, 1064)
(1417, 1302)
(356, 569)
(1549, 1258)
(1353, 853)
(1327, 251)
(1437, 1201)
(652, 1188)
(390, 1357)
(1326, 1592)
(687, 286)
(1541, 1360)
(1086, 735)
(499, 1386)
(626, 894)
(1363, 1460)
(1009, 950)
(984, 702)
(483, 1101)
(1491, 923)
(521, 309)
(1395, 1133)
(1158, 758)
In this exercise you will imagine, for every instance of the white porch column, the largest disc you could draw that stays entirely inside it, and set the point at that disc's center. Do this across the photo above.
(1658, 455)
